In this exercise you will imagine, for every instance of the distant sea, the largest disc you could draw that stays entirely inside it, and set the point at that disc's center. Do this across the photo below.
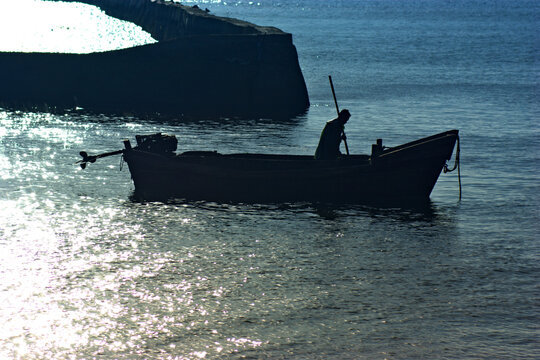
(89, 272)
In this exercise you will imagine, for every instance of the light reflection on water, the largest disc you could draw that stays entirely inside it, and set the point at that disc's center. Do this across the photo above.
(43, 26)
(88, 270)
(93, 273)
(187, 280)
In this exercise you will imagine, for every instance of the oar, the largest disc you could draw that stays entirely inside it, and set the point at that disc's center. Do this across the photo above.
(337, 109)
(92, 158)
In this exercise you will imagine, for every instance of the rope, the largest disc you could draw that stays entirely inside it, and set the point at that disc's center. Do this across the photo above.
(456, 165)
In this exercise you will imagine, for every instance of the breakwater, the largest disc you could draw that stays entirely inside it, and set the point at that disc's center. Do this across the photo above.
(167, 20)
(201, 66)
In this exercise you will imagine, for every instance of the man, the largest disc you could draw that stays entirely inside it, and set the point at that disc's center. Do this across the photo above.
(331, 137)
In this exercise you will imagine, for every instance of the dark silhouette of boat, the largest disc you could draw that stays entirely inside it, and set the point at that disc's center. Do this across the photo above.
(404, 173)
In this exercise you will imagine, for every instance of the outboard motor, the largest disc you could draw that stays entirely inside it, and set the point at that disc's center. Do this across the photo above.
(377, 149)
(157, 143)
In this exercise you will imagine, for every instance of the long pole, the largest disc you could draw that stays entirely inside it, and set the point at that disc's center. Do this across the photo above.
(337, 109)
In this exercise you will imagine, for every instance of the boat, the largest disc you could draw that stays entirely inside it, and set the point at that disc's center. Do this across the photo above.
(404, 173)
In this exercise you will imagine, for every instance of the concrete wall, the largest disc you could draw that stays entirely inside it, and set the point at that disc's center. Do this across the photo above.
(206, 76)
(203, 66)
(166, 20)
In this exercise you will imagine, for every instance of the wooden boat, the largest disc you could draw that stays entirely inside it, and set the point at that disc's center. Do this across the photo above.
(403, 173)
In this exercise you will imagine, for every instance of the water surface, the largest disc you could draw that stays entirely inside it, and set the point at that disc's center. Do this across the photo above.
(88, 271)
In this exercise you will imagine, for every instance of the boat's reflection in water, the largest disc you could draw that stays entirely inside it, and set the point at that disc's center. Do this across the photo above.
(422, 210)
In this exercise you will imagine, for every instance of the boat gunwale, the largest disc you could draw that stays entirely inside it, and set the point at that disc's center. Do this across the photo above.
(436, 137)
(342, 160)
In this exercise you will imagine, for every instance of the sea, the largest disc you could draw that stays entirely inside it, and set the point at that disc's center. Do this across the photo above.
(89, 271)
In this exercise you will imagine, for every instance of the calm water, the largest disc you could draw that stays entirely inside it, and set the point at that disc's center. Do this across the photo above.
(88, 272)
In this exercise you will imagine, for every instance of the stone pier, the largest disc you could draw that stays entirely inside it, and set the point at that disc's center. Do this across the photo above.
(201, 66)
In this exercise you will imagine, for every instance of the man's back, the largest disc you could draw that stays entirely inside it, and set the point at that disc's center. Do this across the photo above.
(328, 147)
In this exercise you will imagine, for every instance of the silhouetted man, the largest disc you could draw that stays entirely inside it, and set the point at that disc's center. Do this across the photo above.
(331, 137)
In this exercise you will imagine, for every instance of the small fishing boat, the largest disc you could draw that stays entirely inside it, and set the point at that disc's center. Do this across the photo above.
(403, 173)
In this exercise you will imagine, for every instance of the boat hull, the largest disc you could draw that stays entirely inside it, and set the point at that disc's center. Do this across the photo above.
(404, 173)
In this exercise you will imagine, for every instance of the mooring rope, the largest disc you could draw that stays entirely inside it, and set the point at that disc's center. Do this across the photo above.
(456, 165)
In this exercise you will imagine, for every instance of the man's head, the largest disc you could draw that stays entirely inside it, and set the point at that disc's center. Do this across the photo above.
(344, 115)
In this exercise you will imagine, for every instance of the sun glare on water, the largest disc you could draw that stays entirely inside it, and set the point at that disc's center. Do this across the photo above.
(42, 26)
